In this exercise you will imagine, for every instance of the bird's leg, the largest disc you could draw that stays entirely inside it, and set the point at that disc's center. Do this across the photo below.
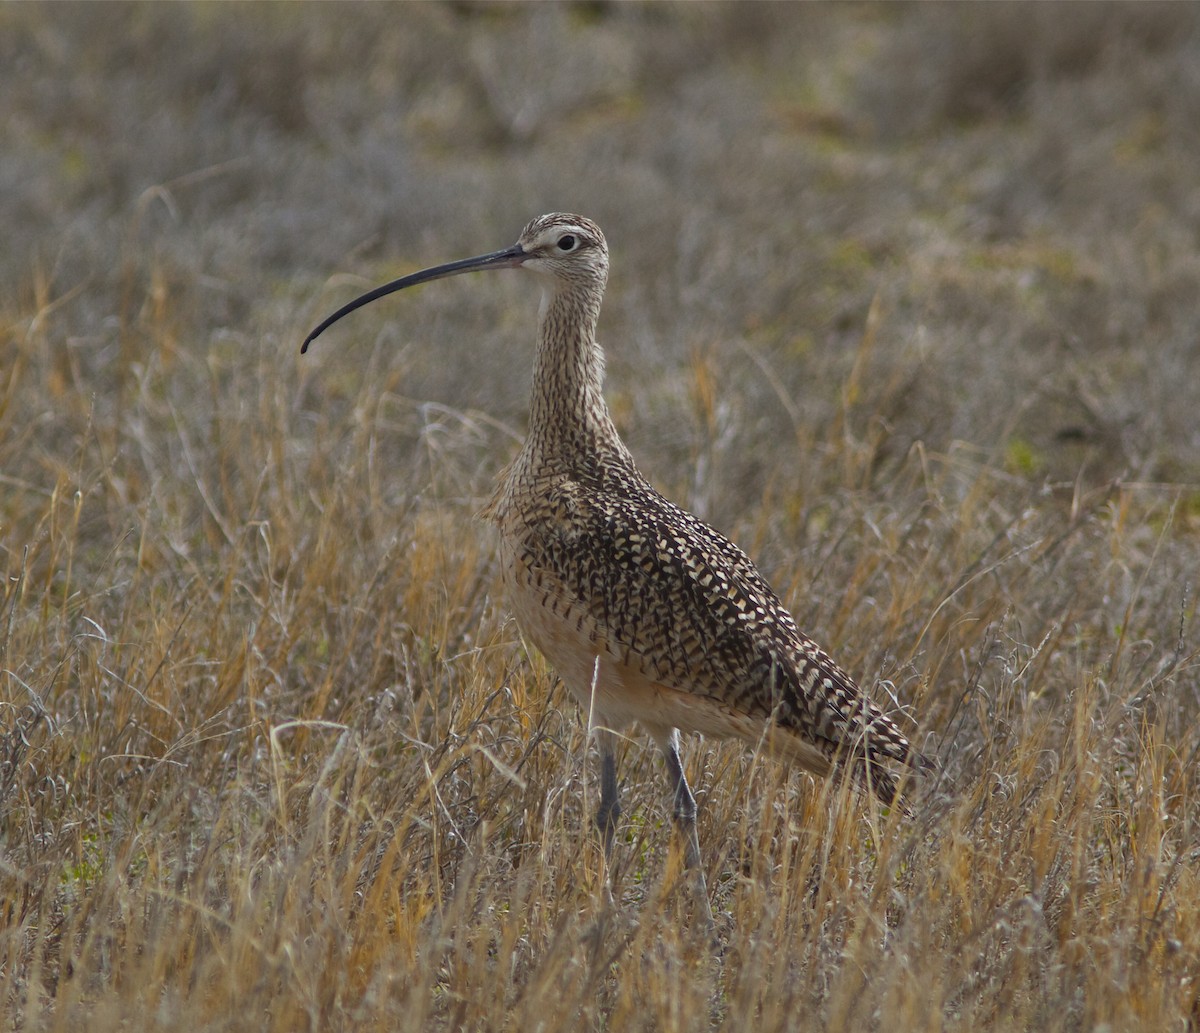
(610, 795)
(684, 813)
(607, 813)
(684, 804)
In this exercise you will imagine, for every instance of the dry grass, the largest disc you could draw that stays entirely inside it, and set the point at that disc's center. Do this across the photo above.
(904, 305)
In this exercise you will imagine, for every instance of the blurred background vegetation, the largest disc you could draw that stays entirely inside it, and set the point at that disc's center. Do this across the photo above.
(1014, 184)
(904, 298)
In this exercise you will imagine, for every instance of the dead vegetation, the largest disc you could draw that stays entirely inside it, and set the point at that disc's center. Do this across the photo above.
(903, 299)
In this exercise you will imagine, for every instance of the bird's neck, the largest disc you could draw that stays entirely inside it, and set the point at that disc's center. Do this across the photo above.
(569, 423)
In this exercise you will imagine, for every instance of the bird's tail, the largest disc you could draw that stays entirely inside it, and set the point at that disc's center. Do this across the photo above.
(883, 782)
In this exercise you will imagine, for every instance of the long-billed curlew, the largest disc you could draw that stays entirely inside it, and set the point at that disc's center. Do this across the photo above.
(646, 613)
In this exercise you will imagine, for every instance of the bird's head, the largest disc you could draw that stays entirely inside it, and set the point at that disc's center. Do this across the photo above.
(567, 252)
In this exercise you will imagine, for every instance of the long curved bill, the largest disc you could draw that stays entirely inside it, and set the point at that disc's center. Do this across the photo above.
(509, 258)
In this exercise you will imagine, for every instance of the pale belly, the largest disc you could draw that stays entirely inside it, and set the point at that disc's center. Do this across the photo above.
(606, 680)
(609, 691)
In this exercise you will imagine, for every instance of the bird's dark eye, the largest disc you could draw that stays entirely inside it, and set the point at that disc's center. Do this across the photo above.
(566, 243)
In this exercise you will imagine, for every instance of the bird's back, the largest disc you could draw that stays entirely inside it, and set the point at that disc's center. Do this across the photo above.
(686, 629)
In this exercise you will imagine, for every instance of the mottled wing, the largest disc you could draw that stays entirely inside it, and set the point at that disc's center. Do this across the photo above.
(687, 608)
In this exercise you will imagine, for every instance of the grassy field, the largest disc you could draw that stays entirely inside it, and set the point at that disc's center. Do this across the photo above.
(904, 300)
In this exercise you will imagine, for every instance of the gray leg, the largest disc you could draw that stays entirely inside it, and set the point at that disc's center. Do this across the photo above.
(684, 803)
(610, 803)
(684, 813)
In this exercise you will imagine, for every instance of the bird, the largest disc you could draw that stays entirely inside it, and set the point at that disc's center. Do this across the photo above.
(646, 613)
